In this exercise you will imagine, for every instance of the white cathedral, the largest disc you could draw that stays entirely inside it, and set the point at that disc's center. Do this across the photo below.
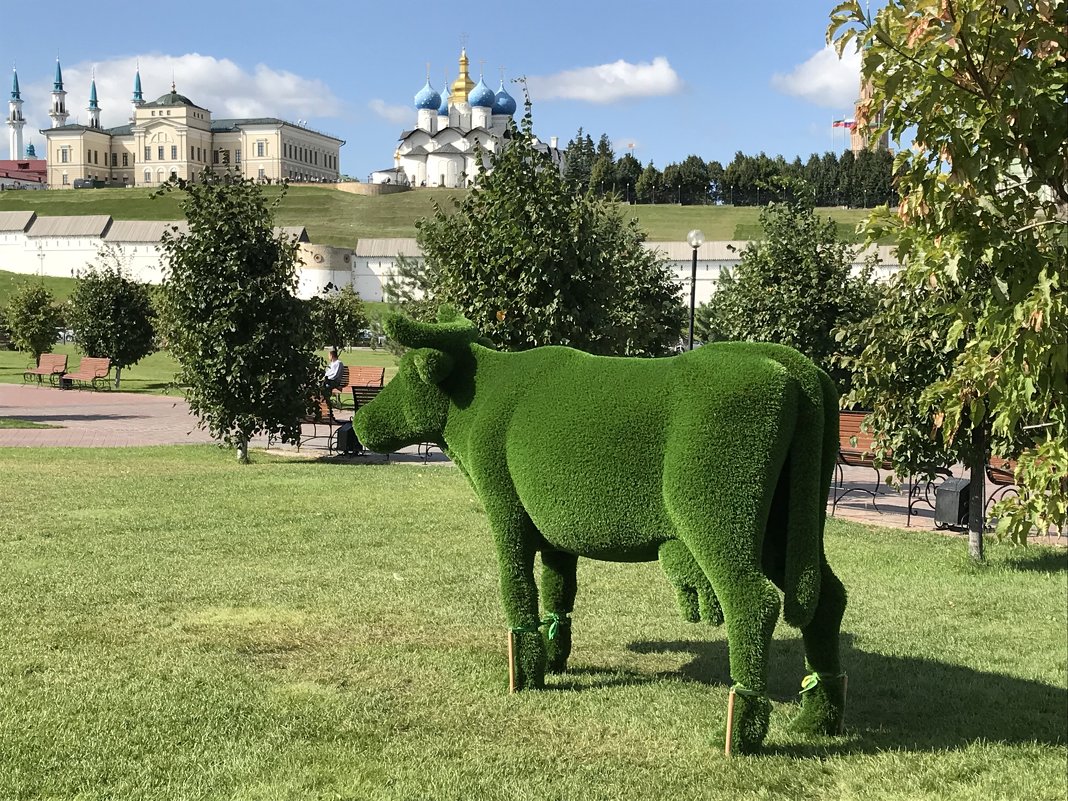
(453, 132)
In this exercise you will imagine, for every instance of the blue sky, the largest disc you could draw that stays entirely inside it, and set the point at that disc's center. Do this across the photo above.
(669, 78)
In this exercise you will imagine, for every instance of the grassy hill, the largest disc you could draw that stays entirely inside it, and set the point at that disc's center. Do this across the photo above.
(340, 218)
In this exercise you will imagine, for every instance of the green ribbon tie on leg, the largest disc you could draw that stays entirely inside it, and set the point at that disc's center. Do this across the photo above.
(554, 620)
(745, 692)
(812, 680)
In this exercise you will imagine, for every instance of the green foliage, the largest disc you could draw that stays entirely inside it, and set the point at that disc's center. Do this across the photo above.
(337, 316)
(793, 286)
(33, 318)
(112, 315)
(982, 222)
(533, 261)
(241, 337)
(557, 445)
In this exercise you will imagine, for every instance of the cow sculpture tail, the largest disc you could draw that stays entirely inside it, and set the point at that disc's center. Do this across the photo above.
(811, 464)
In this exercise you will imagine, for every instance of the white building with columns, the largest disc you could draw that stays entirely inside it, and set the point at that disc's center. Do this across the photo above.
(455, 134)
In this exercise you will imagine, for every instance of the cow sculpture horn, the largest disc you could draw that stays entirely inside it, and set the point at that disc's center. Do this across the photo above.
(458, 333)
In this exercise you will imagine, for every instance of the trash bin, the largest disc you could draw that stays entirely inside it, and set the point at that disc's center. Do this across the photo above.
(951, 504)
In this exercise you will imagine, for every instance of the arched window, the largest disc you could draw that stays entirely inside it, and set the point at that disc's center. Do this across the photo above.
(148, 176)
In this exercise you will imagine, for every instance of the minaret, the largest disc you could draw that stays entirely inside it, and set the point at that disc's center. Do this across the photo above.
(59, 104)
(138, 99)
(94, 107)
(15, 120)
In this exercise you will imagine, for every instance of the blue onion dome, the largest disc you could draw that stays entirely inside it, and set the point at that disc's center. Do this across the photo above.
(504, 103)
(427, 97)
(444, 109)
(481, 95)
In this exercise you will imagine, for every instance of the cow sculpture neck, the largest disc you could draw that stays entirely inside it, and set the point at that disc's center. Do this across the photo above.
(717, 462)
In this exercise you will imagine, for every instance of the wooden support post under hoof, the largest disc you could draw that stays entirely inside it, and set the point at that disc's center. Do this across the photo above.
(730, 723)
(511, 661)
(845, 688)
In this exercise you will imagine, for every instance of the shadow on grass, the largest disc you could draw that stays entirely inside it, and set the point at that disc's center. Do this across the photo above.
(1044, 561)
(897, 702)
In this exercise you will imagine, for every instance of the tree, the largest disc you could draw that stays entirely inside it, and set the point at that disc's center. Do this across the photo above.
(579, 159)
(32, 317)
(793, 286)
(628, 171)
(242, 339)
(982, 222)
(111, 314)
(694, 179)
(532, 261)
(648, 184)
(338, 316)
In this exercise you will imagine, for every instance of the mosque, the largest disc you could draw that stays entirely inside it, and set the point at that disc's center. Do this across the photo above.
(456, 132)
(169, 136)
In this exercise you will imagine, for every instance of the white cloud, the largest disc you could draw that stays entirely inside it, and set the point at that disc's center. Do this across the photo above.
(219, 85)
(395, 114)
(608, 83)
(824, 79)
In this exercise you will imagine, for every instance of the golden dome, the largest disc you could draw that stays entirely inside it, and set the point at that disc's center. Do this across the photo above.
(463, 84)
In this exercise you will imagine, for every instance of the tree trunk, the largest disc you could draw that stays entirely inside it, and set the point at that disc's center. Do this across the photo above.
(242, 449)
(118, 374)
(977, 492)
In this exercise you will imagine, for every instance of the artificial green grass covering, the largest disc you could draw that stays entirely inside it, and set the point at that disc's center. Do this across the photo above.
(177, 626)
(727, 450)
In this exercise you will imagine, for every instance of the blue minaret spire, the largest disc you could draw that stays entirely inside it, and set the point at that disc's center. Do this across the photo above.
(138, 98)
(94, 106)
(59, 103)
(15, 120)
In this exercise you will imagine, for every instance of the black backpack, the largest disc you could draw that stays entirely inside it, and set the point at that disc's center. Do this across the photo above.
(347, 442)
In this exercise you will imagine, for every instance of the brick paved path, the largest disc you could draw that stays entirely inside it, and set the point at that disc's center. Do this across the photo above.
(116, 419)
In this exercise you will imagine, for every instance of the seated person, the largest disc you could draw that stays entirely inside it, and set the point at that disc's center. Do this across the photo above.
(332, 376)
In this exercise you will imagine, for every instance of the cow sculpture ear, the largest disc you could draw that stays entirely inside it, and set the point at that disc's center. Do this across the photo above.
(432, 365)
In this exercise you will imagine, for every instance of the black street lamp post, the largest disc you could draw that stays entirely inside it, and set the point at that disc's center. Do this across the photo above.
(695, 238)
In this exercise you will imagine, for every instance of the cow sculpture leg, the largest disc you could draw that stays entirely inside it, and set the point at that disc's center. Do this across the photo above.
(559, 583)
(823, 693)
(515, 537)
(693, 592)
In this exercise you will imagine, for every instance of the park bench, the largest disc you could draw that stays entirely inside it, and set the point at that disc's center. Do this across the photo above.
(91, 370)
(856, 449)
(321, 417)
(1002, 474)
(52, 365)
(360, 378)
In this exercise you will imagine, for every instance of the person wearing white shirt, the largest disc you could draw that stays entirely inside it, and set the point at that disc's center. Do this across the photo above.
(332, 377)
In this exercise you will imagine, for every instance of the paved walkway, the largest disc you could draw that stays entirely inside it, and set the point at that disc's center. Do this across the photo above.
(88, 419)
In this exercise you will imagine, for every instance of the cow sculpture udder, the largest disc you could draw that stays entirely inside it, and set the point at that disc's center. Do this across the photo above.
(717, 462)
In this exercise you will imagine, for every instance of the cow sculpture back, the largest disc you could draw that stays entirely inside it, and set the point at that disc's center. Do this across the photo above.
(717, 462)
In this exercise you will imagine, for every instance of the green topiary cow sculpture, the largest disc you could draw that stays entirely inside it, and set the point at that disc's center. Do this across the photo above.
(717, 461)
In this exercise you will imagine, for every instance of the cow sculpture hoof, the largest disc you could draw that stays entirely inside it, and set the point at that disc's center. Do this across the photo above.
(559, 649)
(822, 706)
(752, 714)
(530, 657)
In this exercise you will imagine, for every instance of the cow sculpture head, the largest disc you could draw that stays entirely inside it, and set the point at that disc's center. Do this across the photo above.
(414, 407)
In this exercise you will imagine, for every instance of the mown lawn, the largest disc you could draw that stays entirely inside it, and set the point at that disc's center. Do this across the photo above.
(340, 218)
(179, 627)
